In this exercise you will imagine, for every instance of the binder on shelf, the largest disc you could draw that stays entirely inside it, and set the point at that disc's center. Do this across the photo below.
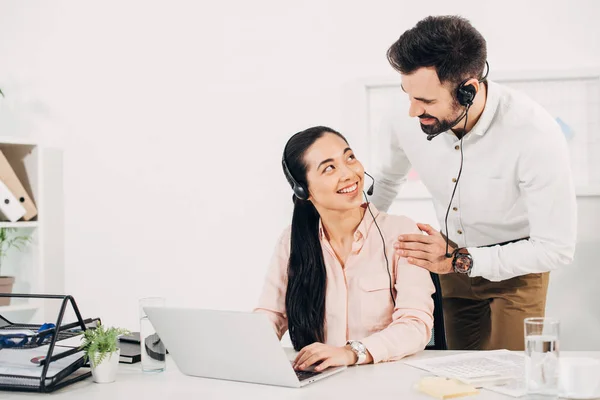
(13, 183)
(33, 357)
(10, 207)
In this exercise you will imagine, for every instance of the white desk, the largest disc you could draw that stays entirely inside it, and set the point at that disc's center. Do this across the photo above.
(368, 382)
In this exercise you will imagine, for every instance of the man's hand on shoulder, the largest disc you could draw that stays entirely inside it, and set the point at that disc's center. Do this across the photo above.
(426, 251)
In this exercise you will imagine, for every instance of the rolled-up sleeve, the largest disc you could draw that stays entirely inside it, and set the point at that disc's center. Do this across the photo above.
(393, 166)
(272, 298)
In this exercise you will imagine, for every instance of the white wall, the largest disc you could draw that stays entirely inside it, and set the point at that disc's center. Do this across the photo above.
(173, 115)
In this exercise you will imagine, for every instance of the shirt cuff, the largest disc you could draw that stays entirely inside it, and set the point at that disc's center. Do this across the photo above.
(482, 262)
(377, 349)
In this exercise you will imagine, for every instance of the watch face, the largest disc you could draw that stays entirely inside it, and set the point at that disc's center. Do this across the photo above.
(358, 346)
(462, 263)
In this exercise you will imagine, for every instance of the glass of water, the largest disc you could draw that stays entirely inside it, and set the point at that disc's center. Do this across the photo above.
(152, 348)
(541, 357)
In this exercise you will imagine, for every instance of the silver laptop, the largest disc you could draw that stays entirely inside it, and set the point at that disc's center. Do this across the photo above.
(231, 345)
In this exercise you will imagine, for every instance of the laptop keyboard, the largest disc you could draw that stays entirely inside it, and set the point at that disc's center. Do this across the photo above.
(304, 375)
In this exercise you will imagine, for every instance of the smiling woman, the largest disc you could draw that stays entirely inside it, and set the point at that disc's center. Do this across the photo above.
(342, 294)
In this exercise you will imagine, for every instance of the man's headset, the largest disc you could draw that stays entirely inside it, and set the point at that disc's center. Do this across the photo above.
(465, 94)
(301, 192)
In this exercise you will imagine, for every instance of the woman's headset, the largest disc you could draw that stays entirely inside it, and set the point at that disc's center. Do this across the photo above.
(301, 192)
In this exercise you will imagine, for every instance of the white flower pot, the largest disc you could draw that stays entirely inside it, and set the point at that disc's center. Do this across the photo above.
(106, 371)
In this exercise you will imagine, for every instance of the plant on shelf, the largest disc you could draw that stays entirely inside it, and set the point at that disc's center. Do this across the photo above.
(9, 239)
(100, 348)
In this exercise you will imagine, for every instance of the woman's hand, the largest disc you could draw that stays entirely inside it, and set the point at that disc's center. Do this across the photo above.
(329, 356)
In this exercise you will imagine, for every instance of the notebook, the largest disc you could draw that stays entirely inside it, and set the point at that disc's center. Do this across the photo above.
(131, 352)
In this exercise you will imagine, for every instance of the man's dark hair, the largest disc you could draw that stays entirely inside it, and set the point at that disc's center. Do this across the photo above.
(448, 43)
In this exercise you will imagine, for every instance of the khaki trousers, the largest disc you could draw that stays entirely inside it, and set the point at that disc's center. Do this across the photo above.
(484, 315)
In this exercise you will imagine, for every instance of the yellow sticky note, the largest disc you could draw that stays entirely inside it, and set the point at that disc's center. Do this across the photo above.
(445, 388)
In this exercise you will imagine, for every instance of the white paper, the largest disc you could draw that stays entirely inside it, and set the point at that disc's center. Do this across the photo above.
(75, 341)
(19, 361)
(514, 388)
(483, 368)
(27, 332)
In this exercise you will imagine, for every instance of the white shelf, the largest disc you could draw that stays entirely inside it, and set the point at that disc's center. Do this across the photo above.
(18, 141)
(18, 313)
(584, 191)
(29, 266)
(18, 307)
(19, 224)
(39, 266)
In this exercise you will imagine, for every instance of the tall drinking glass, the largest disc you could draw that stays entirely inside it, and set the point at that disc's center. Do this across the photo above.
(152, 348)
(541, 357)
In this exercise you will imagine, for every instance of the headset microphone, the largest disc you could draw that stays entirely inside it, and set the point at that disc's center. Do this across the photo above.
(456, 121)
(370, 190)
(432, 135)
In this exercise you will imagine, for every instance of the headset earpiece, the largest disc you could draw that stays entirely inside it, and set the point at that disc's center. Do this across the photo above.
(465, 94)
(299, 190)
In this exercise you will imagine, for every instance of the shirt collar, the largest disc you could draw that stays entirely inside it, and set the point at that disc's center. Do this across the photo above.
(362, 231)
(489, 111)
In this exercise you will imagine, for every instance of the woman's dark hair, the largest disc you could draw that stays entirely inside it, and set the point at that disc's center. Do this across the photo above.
(307, 278)
(448, 43)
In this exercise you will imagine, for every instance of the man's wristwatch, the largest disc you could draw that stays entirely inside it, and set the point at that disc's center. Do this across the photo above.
(359, 349)
(462, 262)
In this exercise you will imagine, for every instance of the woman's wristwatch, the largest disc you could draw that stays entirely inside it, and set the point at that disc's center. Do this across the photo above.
(359, 349)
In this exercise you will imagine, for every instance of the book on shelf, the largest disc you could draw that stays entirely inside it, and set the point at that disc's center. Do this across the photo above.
(14, 184)
(10, 208)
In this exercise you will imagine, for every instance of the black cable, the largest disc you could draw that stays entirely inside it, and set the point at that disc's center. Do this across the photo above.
(457, 178)
(387, 263)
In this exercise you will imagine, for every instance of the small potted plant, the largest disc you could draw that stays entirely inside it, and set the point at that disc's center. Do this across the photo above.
(8, 240)
(100, 347)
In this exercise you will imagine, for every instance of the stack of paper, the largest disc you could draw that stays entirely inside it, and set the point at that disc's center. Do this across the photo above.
(497, 370)
(25, 363)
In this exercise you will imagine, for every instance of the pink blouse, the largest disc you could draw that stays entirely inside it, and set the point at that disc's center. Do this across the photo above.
(358, 305)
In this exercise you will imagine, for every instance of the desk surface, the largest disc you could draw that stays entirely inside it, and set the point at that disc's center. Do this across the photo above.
(393, 380)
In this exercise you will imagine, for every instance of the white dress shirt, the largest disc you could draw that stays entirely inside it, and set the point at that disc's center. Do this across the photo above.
(516, 182)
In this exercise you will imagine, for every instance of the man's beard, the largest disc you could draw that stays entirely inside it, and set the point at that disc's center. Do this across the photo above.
(443, 125)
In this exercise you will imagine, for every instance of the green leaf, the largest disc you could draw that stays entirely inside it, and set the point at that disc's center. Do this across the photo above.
(99, 342)
(8, 241)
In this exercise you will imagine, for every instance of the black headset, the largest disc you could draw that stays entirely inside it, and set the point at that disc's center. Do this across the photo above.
(465, 94)
(301, 192)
